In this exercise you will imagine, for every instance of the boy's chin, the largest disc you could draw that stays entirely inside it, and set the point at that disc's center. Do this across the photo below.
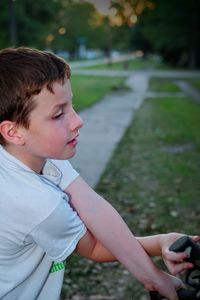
(65, 156)
(72, 154)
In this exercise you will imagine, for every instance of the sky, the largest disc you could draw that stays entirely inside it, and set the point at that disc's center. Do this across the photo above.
(101, 5)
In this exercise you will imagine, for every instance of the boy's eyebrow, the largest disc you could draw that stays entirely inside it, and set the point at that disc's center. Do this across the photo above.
(59, 105)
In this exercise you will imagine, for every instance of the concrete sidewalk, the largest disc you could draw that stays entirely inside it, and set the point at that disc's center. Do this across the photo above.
(106, 121)
(189, 90)
(104, 126)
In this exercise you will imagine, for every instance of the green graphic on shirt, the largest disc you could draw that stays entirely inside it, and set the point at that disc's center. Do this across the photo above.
(57, 266)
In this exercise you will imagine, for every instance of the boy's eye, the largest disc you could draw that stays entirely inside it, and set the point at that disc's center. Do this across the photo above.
(58, 115)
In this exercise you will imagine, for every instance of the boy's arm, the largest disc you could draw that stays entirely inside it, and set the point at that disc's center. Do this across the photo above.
(91, 248)
(108, 227)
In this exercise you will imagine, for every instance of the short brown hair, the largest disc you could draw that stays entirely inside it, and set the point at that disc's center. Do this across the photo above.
(23, 74)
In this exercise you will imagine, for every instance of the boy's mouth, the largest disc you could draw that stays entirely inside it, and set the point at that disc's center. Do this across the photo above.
(73, 142)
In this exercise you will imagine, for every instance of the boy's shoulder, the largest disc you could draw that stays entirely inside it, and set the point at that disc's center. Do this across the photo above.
(26, 192)
(26, 200)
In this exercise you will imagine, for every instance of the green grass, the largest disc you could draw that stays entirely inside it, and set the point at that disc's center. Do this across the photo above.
(195, 82)
(157, 162)
(163, 85)
(87, 90)
(132, 64)
(153, 181)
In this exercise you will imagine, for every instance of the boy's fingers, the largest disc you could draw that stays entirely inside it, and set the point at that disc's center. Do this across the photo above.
(174, 256)
(177, 284)
(177, 268)
(175, 261)
(179, 256)
(195, 238)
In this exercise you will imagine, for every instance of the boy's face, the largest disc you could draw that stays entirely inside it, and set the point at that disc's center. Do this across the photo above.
(54, 126)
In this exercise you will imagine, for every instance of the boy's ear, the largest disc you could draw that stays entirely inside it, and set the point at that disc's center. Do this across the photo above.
(11, 132)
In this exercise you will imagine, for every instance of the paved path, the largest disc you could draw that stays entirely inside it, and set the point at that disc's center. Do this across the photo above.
(150, 73)
(88, 63)
(106, 122)
(104, 126)
(189, 90)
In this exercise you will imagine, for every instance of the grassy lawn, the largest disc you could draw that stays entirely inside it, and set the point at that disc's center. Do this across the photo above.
(87, 90)
(156, 190)
(195, 82)
(132, 64)
(163, 85)
(157, 187)
(157, 162)
(169, 85)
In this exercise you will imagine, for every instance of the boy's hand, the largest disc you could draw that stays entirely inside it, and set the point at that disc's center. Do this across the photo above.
(175, 261)
(167, 286)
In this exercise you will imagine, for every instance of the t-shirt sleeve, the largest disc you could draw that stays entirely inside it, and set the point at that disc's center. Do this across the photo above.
(67, 171)
(59, 233)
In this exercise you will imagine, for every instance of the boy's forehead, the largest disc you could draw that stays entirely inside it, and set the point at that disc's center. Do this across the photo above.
(69, 85)
(60, 89)
(61, 92)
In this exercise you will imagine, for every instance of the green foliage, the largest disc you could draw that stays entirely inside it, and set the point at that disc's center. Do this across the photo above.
(75, 18)
(144, 63)
(61, 25)
(157, 186)
(153, 181)
(33, 19)
(171, 28)
(88, 90)
(4, 38)
(195, 82)
(163, 85)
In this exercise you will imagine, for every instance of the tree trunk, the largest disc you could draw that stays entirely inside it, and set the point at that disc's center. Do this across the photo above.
(194, 57)
(12, 23)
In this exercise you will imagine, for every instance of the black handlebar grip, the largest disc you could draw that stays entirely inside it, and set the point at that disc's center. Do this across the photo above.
(181, 244)
(155, 296)
(183, 294)
(185, 243)
(186, 294)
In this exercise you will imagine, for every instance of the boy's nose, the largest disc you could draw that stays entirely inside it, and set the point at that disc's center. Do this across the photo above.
(77, 122)
(81, 123)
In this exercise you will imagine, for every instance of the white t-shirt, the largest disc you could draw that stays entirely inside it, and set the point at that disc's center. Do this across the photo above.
(38, 228)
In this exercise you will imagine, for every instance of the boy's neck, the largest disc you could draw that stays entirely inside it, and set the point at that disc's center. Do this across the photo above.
(35, 164)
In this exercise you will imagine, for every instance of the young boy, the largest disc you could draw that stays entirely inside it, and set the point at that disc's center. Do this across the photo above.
(47, 211)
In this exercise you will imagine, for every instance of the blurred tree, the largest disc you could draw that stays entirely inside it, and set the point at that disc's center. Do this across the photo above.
(138, 40)
(62, 25)
(4, 24)
(34, 18)
(132, 36)
(172, 27)
(25, 22)
(74, 26)
(12, 22)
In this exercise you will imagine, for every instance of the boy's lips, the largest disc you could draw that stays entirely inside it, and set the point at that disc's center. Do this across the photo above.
(73, 142)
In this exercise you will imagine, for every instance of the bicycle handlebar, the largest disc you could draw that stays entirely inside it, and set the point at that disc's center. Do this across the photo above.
(192, 278)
